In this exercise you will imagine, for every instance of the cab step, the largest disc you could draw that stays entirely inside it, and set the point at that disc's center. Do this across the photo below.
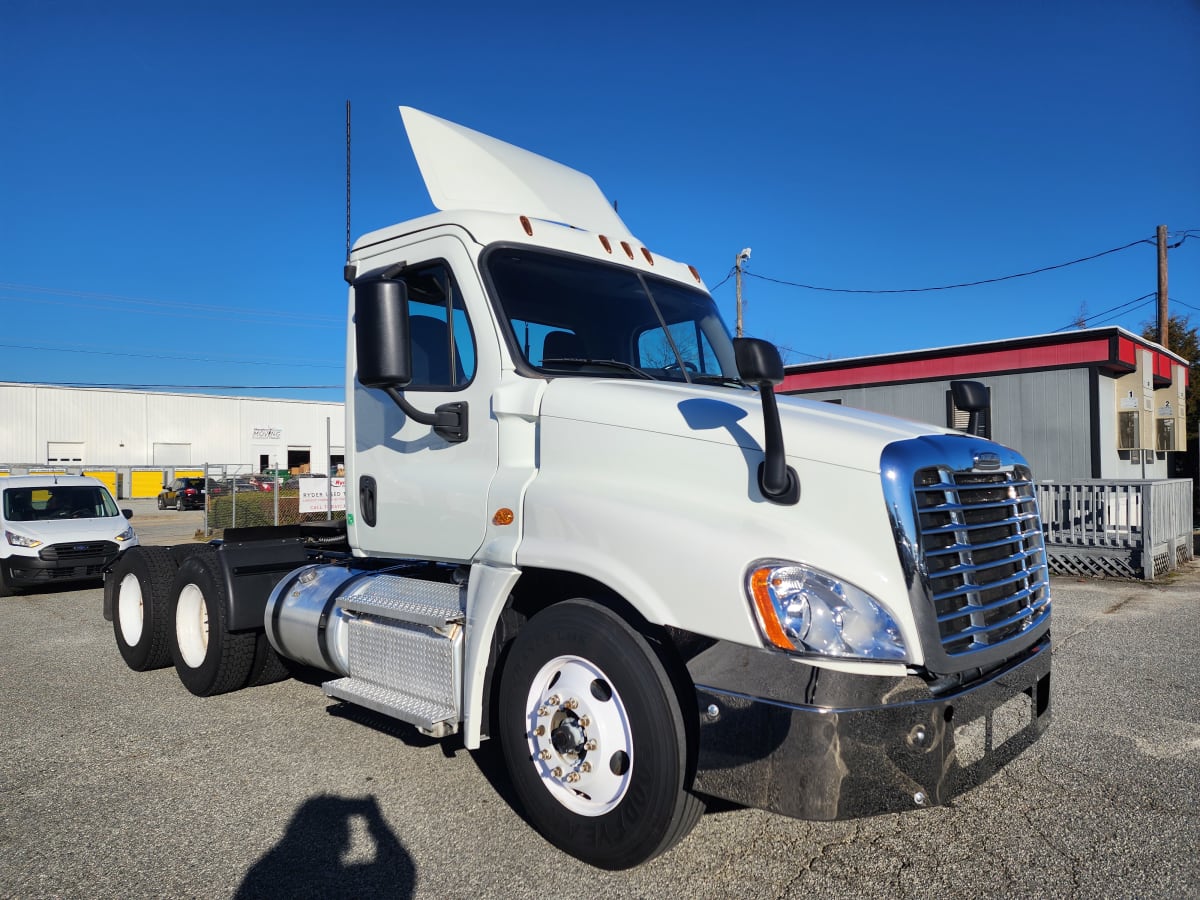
(405, 651)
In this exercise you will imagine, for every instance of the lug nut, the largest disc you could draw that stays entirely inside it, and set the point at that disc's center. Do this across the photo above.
(585, 767)
(572, 704)
(545, 754)
(591, 745)
(553, 701)
(557, 773)
(541, 730)
(542, 712)
(572, 778)
(584, 721)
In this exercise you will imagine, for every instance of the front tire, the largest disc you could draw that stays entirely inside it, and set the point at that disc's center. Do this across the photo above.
(141, 598)
(594, 738)
(208, 658)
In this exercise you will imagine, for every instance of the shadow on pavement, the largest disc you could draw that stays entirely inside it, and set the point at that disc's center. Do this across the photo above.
(324, 853)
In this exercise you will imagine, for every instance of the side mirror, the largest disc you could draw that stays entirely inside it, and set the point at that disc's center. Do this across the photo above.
(971, 397)
(381, 333)
(382, 344)
(759, 363)
(127, 513)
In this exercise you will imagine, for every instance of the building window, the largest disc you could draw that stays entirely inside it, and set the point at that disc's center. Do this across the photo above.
(64, 452)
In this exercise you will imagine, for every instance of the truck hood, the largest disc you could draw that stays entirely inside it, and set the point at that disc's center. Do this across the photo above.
(815, 431)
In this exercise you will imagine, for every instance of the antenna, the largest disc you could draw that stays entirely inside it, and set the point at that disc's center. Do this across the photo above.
(348, 270)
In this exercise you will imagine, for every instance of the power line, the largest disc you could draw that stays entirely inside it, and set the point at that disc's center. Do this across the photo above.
(1121, 306)
(728, 275)
(187, 387)
(947, 287)
(241, 362)
(162, 307)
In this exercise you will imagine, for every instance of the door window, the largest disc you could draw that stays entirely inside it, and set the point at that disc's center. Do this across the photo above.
(443, 347)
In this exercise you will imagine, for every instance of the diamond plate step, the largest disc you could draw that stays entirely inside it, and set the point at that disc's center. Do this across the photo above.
(430, 603)
(413, 710)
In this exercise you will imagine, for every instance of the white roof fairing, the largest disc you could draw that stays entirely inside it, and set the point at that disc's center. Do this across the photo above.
(465, 169)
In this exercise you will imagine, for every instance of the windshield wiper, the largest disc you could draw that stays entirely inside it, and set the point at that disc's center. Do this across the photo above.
(726, 380)
(612, 363)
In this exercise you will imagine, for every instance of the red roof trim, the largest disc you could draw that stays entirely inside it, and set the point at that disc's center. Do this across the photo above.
(1127, 351)
(1097, 351)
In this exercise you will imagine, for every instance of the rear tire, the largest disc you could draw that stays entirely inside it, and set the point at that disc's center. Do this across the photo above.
(141, 597)
(268, 666)
(208, 658)
(607, 778)
(161, 505)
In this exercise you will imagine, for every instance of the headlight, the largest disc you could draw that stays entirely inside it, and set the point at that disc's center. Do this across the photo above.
(126, 535)
(19, 540)
(802, 609)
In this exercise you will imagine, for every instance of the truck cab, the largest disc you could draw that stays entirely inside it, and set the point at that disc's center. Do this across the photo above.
(580, 522)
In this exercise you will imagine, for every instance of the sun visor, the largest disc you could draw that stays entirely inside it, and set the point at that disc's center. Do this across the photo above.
(464, 169)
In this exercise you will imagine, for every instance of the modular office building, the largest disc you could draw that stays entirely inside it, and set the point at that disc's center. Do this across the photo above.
(1100, 403)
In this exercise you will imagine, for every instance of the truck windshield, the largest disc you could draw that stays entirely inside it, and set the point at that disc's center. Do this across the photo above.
(572, 316)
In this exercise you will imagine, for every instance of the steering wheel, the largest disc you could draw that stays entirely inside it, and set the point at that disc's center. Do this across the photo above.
(676, 367)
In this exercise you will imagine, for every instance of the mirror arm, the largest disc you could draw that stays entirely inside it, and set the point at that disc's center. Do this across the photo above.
(448, 420)
(777, 480)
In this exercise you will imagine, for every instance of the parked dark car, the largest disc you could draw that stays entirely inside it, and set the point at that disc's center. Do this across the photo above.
(182, 493)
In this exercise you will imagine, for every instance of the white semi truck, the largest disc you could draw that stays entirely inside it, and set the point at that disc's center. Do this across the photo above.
(580, 522)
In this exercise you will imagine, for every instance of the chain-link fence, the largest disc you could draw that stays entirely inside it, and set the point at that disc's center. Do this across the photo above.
(238, 497)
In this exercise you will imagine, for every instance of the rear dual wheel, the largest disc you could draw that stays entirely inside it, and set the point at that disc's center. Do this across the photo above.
(140, 582)
(208, 658)
(594, 738)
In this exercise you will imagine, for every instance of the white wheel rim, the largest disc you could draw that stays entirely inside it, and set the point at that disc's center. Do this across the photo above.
(583, 752)
(191, 626)
(130, 612)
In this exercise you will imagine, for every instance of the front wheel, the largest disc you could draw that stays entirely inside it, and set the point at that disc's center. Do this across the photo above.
(594, 738)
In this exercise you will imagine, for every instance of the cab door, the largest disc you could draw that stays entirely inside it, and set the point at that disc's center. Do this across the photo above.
(411, 492)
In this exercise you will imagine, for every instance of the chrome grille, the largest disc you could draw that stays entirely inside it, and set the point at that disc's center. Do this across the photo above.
(980, 539)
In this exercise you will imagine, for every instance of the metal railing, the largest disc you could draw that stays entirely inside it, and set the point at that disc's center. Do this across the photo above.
(1132, 529)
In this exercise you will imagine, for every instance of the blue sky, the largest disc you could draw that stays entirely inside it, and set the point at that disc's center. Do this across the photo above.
(172, 176)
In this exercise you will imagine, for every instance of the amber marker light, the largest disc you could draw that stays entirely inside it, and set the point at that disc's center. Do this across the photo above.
(503, 516)
(527, 225)
(649, 258)
(760, 588)
(695, 274)
(606, 244)
(628, 250)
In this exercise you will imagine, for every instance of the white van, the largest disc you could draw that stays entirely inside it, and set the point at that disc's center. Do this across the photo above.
(58, 528)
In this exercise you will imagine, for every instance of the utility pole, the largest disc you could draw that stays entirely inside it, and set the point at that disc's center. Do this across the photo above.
(1163, 313)
(737, 267)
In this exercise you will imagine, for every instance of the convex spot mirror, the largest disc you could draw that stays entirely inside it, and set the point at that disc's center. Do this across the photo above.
(381, 333)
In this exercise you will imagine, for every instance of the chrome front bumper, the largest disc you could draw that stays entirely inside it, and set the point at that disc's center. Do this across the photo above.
(858, 745)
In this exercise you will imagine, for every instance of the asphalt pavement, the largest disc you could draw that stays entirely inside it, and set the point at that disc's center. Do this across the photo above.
(121, 784)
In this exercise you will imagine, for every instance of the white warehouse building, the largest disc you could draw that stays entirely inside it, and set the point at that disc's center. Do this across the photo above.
(137, 440)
